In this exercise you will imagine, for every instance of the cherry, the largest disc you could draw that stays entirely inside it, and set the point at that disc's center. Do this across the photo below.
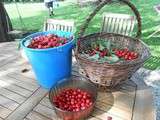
(73, 100)
(109, 118)
(92, 53)
(126, 54)
(47, 41)
(97, 48)
(101, 54)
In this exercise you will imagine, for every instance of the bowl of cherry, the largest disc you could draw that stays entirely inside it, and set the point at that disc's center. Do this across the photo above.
(73, 99)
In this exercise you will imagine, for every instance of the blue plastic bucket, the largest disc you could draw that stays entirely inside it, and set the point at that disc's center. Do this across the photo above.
(52, 64)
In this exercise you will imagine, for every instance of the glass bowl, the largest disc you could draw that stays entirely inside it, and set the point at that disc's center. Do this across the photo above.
(82, 84)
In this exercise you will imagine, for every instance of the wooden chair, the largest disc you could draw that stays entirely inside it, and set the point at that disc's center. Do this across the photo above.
(55, 24)
(118, 23)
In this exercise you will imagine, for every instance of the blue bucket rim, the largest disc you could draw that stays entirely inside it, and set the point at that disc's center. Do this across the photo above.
(46, 49)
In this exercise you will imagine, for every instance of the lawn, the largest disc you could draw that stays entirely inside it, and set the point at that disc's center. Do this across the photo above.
(33, 15)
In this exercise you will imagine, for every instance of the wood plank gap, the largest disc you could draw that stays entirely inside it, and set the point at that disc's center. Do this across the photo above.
(26, 76)
(23, 78)
(1, 118)
(90, 117)
(26, 99)
(26, 119)
(25, 85)
(12, 95)
(9, 99)
(46, 103)
(11, 108)
(22, 87)
(50, 113)
(8, 60)
(143, 109)
(15, 92)
(4, 112)
(22, 111)
(41, 115)
(46, 106)
(108, 113)
(134, 103)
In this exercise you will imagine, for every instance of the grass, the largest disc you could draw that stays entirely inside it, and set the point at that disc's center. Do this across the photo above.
(33, 15)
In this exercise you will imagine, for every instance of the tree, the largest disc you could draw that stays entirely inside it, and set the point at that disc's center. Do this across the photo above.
(5, 24)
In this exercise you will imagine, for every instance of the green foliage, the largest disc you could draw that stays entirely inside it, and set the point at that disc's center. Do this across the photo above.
(150, 20)
(109, 59)
(25, 0)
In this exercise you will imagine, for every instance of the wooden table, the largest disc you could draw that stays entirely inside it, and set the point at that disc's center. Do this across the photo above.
(21, 98)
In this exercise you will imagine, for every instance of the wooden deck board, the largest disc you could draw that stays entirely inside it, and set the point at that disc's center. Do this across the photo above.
(20, 98)
(1, 119)
(11, 105)
(143, 109)
(25, 119)
(36, 116)
(28, 105)
(108, 104)
(11, 95)
(45, 101)
(20, 83)
(7, 60)
(49, 113)
(23, 78)
(102, 115)
(120, 101)
(4, 112)
(14, 88)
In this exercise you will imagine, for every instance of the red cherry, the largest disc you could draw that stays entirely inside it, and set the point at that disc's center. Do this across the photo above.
(92, 53)
(126, 49)
(123, 54)
(77, 109)
(109, 118)
(87, 101)
(129, 58)
(84, 96)
(82, 108)
(79, 96)
(101, 54)
(58, 44)
(97, 48)
(47, 41)
(132, 53)
(135, 55)
(105, 52)
(126, 57)
(68, 100)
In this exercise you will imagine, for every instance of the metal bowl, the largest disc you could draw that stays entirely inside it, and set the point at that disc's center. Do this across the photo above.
(82, 84)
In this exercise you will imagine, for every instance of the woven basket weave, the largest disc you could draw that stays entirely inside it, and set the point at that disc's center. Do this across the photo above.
(104, 74)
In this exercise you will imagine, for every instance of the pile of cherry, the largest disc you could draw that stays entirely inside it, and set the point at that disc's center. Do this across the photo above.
(96, 50)
(126, 54)
(73, 99)
(47, 41)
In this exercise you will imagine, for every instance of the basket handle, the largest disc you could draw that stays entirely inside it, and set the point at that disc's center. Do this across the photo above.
(101, 5)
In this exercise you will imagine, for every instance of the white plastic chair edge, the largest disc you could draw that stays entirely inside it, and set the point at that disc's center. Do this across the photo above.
(62, 22)
(119, 18)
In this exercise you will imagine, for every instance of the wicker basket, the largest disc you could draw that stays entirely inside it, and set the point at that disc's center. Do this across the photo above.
(104, 74)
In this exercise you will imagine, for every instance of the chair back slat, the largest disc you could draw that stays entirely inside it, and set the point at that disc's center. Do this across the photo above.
(62, 25)
(115, 25)
(118, 23)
